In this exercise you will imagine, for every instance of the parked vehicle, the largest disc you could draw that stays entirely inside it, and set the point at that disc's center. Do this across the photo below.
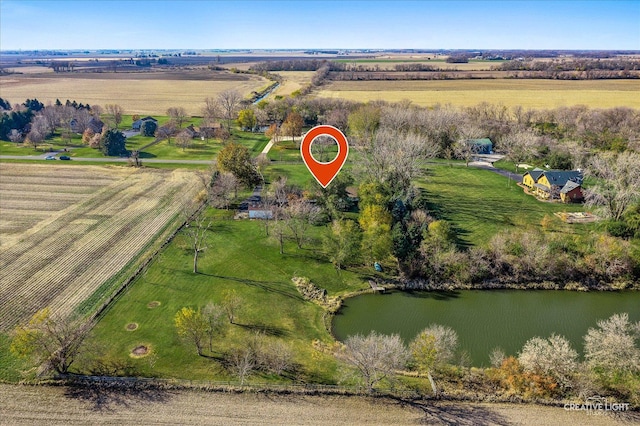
(65, 157)
(50, 157)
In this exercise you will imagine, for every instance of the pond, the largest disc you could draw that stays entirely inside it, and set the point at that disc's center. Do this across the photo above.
(486, 319)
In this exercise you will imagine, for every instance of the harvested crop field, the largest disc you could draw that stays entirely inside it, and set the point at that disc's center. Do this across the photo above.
(509, 92)
(70, 405)
(68, 230)
(292, 81)
(137, 93)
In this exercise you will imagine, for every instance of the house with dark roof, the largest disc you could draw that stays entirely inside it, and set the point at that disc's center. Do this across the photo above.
(137, 125)
(551, 184)
(529, 179)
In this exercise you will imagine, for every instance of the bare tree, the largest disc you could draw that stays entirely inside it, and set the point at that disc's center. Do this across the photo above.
(553, 357)
(82, 119)
(617, 183)
(222, 190)
(231, 303)
(114, 114)
(519, 146)
(298, 217)
(242, 362)
(375, 357)
(177, 115)
(210, 111)
(40, 129)
(184, 140)
(166, 131)
(214, 317)
(196, 229)
(15, 136)
(228, 103)
(433, 347)
(614, 345)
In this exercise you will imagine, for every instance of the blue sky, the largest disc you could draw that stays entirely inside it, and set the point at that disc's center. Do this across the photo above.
(203, 24)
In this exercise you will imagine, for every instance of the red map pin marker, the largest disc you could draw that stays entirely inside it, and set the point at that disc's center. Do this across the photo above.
(324, 172)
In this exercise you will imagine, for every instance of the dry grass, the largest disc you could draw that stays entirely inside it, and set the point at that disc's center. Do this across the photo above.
(59, 247)
(509, 92)
(293, 80)
(137, 93)
(70, 405)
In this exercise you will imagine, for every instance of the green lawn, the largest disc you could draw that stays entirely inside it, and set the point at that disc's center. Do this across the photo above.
(242, 259)
(480, 203)
(11, 148)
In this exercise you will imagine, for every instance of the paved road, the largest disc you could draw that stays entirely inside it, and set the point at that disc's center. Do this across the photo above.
(105, 160)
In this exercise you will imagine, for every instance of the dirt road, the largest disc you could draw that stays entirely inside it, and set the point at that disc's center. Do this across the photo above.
(20, 405)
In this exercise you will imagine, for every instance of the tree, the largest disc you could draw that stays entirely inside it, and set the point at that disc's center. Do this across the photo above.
(177, 115)
(15, 136)
(113, 143)
(552, 357)
(192, 326)
(53, 343)
(617, 184)
(298, 217)
(520, 145)
(210, 110)
(292, 125)
(227, 104)
(148, 128)
(236, 159)
(166, 131)
(114, 114)
(184, 140)
(242, 362)
(273, 133)
(363, 123)
(433, 347)
(223, 189)
(375, 357)
(342, 244)
(214, 317)
(196, 229)
(614, 346)
(375, 221)
(247, 119)
(231, 303)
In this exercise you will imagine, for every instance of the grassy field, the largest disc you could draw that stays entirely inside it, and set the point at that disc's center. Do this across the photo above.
(137, 93)
(69, 231)
(480, 203)
(240, 258)
(389, 64)
(509, 92)
(70, 406)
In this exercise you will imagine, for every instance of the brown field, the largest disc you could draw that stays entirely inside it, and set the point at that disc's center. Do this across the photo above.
(68, 229)
(293, 80)
(509, 92)
(66, 406)
(137, 93)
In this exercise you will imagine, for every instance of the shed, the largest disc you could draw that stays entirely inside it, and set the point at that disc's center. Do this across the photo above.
(481, 146)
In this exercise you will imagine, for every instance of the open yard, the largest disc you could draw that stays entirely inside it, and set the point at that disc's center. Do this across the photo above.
(69, 231)
(509, 92)
(137, 93)
(69, 406)
(480, 203)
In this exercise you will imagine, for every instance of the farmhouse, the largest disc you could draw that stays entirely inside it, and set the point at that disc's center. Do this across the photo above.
(553, 184)
(529, 179)
(137, 125)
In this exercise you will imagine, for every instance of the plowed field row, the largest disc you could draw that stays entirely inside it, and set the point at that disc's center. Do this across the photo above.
(65, 258)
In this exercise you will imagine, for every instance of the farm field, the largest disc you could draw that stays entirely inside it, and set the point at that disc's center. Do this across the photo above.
(509, 92)
(137, 93)
(69, 406)
(68, 231)
(293, 80)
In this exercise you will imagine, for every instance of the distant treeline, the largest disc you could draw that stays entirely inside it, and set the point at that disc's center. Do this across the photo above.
(618, 64)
